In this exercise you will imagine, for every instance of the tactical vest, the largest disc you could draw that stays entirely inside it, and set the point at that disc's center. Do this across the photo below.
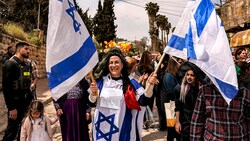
(24, 81)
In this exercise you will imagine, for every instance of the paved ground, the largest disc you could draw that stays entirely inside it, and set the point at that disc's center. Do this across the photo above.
(44, 95)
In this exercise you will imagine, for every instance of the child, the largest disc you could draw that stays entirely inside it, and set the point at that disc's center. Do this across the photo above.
(36, 126)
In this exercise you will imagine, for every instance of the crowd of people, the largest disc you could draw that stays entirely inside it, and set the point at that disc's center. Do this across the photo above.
(123, 88)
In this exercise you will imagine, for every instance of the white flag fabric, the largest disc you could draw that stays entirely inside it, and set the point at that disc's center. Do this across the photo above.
(70, 53)
(200, 38)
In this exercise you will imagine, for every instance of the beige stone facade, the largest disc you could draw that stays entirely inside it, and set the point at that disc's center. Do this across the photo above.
(235, 15)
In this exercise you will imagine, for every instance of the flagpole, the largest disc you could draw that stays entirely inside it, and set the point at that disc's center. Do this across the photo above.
(156, 70)
(92, 77)
(92, 81)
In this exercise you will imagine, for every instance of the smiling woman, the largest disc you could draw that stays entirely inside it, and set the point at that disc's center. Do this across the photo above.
(121, 101)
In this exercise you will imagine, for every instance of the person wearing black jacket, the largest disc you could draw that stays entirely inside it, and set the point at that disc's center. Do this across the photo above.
(9, 54)
(16, 90)
(187, 94)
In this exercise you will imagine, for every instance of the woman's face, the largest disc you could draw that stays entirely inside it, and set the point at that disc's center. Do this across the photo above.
(243, 55)
(190, 77)
(115, 66)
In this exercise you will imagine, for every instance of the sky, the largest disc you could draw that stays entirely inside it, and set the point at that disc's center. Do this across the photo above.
(132, 18)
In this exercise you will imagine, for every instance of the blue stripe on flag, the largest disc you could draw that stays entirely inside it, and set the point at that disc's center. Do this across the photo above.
(229, 90)
(126, 126)
(135, 83)
(190, 44)
(202, 15)
(68, 67)
(221, 23)
(180, 43)
(177, 42)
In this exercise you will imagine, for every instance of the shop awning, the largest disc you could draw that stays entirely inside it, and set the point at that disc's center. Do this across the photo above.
(241, 38)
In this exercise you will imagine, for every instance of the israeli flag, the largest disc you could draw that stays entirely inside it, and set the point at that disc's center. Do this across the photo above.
(70, 53)
(200, 38)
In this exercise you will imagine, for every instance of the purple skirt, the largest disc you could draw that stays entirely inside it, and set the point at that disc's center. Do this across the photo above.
(73, 122)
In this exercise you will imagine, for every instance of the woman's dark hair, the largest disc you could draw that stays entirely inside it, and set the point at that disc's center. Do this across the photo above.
(145, 64)
(105, 67)
(238, 52)
(189, 66)
(163, 70)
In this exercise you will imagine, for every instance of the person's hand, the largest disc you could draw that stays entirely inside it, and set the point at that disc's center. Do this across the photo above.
(178, 127)
(59, 112)
(32, 87)
(94, 89)
(145, 76)
(152, 79)
(87, 116)
(13, 114)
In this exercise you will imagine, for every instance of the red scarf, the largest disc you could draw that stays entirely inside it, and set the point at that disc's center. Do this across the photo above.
(130, 100)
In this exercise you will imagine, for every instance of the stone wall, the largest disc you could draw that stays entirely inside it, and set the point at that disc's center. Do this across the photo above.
(37, 54)
(235, 13)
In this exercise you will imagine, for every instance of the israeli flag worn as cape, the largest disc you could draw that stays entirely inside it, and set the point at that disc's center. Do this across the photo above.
(70, 53)
(200, 38)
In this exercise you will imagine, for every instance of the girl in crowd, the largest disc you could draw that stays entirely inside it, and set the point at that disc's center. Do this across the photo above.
(37, 126)
(146, 66)
(120, 101)
(186, 102)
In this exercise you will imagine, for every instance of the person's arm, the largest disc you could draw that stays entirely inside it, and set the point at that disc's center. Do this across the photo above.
(59, 111)
(198, 117)
(24, 128)
(10, 72)
(35, 75)
(93, 92)
(143, 96)
(52, 120)
(178, 124)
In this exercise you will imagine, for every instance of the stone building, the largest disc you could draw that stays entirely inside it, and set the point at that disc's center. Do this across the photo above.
(235, 15)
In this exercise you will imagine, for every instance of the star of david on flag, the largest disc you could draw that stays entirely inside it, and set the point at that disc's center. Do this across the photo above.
(102, 119)
(200, 38)
(70, 52)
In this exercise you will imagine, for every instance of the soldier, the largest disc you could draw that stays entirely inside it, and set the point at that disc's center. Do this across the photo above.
(16, 90)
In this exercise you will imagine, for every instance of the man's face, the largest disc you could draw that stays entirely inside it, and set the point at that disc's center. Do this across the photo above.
(24, 51)
(12, 50)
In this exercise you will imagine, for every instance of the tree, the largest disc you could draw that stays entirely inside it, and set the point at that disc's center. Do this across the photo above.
(152, 9)
(165, 26)
(86, 19)
(25, 13)
(104, 26)
(98, 24)
(160, 19)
